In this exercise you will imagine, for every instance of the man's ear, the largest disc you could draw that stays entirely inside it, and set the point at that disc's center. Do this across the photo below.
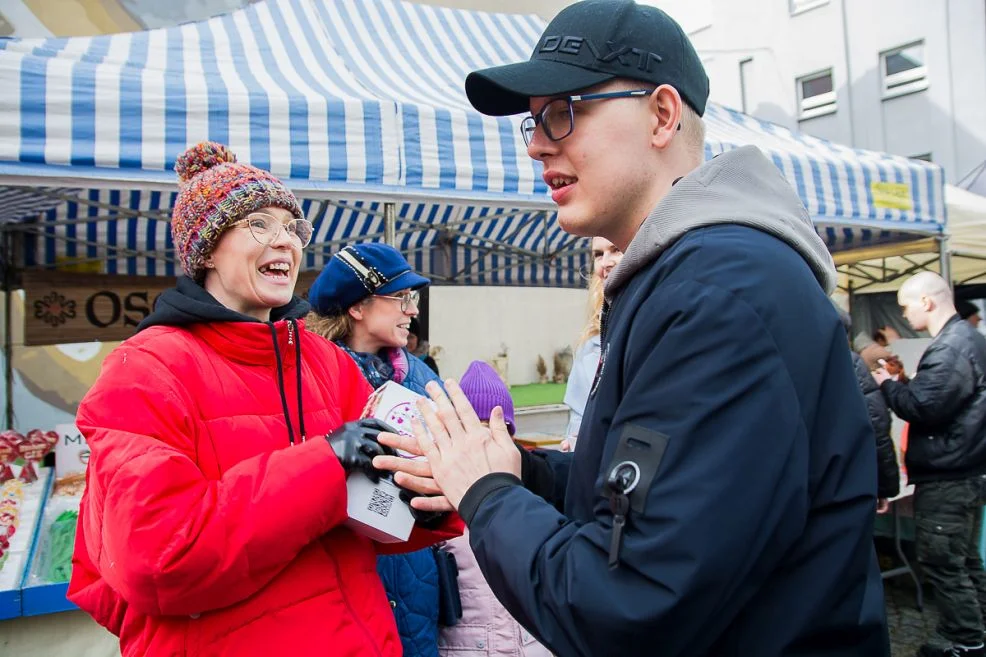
(666, 115)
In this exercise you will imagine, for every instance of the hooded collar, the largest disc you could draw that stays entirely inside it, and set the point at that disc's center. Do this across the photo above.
(189, 303)
(236, 336)
(740, 187)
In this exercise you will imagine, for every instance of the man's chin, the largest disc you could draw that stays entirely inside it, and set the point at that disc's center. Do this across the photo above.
(575, 224)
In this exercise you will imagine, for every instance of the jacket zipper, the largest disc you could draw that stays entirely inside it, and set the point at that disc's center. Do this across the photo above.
(604, 348)
(290, 334)
(349, 607)
(603, 320)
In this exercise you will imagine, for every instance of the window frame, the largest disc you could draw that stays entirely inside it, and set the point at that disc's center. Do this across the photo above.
(796, 7)
(743, 70)
(820, 104)
(907, 82)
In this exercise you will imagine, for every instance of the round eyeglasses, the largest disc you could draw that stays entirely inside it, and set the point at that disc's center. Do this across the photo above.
(406, 299)
(265, 228)
(558, 119)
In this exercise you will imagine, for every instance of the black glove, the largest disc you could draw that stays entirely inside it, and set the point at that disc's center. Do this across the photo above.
(355, 445)
(424, 519)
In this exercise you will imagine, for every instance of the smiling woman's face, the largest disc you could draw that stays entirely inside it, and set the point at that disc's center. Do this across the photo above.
(605, 256)
(249, 277)
(380, 323)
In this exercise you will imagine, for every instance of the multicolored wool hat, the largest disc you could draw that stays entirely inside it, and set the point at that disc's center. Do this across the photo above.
(215, 191)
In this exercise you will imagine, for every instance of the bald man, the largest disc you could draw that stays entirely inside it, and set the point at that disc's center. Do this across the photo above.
(945, 404)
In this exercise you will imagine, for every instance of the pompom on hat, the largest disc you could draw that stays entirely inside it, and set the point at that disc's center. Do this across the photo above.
(215, 191)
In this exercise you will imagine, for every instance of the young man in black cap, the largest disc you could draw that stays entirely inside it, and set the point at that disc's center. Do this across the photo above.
(722, 498)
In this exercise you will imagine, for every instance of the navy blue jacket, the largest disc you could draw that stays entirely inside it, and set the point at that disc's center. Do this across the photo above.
(411, 579)
(756, 535)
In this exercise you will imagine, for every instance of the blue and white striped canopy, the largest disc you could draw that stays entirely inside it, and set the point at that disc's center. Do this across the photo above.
(353, 103)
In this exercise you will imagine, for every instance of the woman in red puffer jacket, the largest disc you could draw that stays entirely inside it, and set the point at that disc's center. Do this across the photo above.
(221, 437)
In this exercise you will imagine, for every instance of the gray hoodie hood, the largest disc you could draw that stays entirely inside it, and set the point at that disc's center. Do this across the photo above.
(740, 187)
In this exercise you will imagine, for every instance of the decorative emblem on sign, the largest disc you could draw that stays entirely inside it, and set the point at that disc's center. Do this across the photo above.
(54, 309)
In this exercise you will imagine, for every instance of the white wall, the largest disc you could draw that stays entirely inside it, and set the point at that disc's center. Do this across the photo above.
(948, 119)
(473, 323)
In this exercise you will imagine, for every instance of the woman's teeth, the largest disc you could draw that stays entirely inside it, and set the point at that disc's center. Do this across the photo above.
(279, 269)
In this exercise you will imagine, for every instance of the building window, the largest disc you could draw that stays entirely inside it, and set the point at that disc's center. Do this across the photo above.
(904, 70)
(816, 95)
(799, 6)
(745, 66)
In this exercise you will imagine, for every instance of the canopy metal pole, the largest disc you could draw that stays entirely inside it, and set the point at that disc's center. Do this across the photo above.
(944, 261)
(390, 223)
(8, 325)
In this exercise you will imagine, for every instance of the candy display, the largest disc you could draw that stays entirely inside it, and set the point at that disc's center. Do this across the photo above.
(38, 520)
(8, 453)
(11, 494)
(70, 485)
(20, 504)
(32, 448)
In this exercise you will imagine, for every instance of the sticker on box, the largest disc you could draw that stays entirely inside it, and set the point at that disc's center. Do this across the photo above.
(397, 406)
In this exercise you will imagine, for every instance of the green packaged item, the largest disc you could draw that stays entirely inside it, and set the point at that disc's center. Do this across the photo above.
(61, 542)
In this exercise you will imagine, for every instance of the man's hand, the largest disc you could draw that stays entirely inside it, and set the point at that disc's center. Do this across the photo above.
(891, 334)
(463, 450)
(881, 374)
(412, 474)
(882, 505)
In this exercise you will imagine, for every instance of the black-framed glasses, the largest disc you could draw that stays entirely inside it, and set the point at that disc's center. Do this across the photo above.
(406, 299)
(265, 228)
(558, 119)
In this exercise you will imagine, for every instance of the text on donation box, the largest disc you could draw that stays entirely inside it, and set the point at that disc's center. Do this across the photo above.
(71, 451)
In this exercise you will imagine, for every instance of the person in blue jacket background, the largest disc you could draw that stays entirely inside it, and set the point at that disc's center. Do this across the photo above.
(722, 498)
(364, 300)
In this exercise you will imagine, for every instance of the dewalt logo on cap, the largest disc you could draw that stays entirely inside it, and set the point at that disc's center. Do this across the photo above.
(622, 54)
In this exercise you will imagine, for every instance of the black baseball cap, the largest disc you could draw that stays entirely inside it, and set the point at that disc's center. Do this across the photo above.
(589, 43)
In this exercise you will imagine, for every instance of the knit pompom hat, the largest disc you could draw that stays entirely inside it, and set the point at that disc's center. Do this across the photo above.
(215, 191)
(485, 390)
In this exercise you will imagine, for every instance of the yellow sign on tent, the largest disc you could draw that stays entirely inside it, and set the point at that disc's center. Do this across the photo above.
(894, 196)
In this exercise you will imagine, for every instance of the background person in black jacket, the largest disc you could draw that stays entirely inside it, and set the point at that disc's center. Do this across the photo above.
(888, 471)
(945, 403)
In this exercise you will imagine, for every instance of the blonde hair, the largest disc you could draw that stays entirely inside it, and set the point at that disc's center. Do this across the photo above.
(337, 327)
(334, 327)
(595, 307)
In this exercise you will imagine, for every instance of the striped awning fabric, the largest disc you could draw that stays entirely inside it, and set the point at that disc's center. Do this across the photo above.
(353, 103)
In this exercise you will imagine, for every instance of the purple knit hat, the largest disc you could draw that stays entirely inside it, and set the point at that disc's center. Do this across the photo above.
(214, 191)
(485, 391)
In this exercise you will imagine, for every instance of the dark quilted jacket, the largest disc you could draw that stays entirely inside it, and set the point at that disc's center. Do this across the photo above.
(887, 470)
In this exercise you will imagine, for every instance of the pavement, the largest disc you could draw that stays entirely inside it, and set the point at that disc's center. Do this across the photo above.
(909, 628)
